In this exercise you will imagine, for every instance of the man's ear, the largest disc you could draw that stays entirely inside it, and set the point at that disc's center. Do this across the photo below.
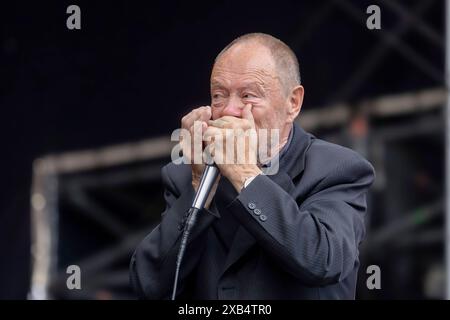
(295, 102)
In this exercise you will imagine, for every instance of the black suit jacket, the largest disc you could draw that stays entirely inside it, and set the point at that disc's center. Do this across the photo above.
(297, 235)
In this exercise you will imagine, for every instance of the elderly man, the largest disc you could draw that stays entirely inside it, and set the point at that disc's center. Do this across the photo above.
(290, 235)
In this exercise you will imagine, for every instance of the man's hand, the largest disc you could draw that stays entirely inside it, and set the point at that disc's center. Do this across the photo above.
(240, 135)
(202, 115)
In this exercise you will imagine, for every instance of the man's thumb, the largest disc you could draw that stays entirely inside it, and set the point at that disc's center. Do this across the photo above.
(247, 112)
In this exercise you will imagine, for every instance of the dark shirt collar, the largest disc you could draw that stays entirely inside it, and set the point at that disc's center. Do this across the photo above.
(283, 149)
(288, 142)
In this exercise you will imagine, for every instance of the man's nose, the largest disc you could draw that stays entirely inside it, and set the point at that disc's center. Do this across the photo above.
(233, 108)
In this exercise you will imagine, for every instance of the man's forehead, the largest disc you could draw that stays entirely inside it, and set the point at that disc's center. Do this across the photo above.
(245, 57)
(242, 81)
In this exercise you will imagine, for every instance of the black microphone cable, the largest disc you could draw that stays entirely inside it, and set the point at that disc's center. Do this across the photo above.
(190, 222)
(206, 183)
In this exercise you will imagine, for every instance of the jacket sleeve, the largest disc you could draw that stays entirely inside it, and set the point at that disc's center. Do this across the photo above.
(315, 239)
(152, 267)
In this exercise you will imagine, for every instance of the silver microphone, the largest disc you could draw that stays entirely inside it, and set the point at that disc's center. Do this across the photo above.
(209, 176)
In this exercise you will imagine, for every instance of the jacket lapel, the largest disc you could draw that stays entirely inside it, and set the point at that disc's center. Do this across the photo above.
(292, 163)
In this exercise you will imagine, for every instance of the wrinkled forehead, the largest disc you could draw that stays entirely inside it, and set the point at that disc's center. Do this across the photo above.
(245, 60)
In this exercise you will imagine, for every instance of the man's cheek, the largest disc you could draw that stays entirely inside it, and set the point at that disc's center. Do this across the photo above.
(216, 113)
(259, 117)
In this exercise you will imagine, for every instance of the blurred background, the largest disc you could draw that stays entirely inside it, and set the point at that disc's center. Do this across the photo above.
(87, 116)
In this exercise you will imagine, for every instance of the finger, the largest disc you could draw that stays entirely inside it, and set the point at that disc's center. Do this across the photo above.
(202, 113)
(208, 154)
(186, 121)
(196, 142)
(230, 119)
(186, 142)
(211, 132)
(218, 123)
(212, 136)
(205, 113)
(191, 117)
(247, 113)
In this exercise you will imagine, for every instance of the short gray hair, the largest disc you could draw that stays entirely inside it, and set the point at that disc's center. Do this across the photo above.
(285, 59)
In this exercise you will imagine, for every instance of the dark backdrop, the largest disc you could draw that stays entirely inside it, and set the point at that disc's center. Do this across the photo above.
(135, 68)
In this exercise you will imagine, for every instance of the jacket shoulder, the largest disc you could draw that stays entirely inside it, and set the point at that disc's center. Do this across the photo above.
(325, 159)
(176, 176)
